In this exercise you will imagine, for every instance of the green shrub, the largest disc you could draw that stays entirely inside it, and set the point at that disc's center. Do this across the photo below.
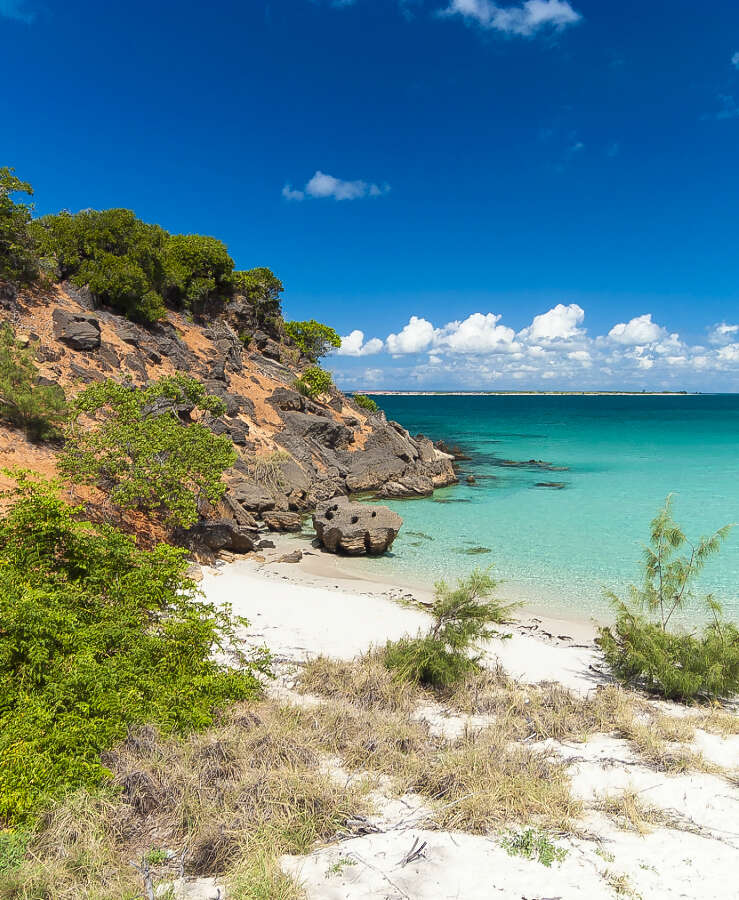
(97, 635)
(134, 446)
(462, 617)
(365, 402)
(313, 381)
(640, 648)
(13, 846)
(533, 844)
(313, 339)
(262, 289)
(195, 269)
(18, 258)
(38, 409)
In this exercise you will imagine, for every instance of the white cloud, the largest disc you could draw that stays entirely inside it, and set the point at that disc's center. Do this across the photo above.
(639, 330)
(354, 345)
(322, 185)
(559, 323)
(524, 20)
(478, 333)
(289, 194)
(416, 336)
(735, 60)
(730, 353)
(722, 333)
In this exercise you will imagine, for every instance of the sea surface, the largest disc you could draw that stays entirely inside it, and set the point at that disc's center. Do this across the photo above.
(559, 548)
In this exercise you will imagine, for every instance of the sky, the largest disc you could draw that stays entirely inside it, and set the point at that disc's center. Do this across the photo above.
(474, 194)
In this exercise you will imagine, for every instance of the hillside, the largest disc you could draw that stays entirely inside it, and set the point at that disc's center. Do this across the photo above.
(292, 451)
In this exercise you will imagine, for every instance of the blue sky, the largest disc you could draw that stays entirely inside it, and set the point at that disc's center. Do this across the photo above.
(495, 194)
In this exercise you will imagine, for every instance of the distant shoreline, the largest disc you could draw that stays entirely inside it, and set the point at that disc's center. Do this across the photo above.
(531, 393)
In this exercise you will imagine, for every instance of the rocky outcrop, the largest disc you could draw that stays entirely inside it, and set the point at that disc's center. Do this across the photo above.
(222, 534)
(76, 330)
(355, 528)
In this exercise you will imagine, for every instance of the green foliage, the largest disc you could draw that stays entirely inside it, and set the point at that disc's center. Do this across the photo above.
(640, 648)
(313, 381)
(533, 844)
(13, 846)
(133, 444)
(314, 339)
(365, 402)
(38, 409)
(97, 635)
(196, 268)
(18, 260)
(262, 289)
(462, 619)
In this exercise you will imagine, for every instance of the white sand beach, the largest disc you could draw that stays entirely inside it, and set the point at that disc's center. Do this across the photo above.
(314, 607)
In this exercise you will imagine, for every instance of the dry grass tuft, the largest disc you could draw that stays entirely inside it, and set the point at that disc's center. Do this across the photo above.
(629, 812)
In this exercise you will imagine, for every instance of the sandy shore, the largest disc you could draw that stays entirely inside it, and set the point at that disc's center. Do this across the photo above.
(316, 606)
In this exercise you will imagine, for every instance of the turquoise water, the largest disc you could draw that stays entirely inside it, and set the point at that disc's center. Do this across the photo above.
(557, 549)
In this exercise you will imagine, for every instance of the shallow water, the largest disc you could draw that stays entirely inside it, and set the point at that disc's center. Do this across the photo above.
(558, 548)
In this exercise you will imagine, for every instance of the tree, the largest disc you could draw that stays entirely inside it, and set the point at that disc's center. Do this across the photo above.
(644, 645)
(39, 409)
(462, 617)
(97, 635)
(196, 268)
(314, 339)
(133, 444)
(313, 382)
(262, 288)
(18, 260)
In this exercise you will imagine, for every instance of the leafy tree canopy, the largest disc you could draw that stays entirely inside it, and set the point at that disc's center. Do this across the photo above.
(96, 635)
(18, 260)
(262, 288)
(134, 444)
(38, 409)
(646, 645)
(314, 339)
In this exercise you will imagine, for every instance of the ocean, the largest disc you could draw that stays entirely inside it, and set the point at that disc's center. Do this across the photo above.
(613, 459)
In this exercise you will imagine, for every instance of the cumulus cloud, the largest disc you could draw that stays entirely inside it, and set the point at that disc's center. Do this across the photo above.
(415, 337)
(323, 186)
(729, 353)
(558, 324)
(354, 345)
(735, 60)
(478, 333)
(525, 20)
(723, 333)
(639, 330)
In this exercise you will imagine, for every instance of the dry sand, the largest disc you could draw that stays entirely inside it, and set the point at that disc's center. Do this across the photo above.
(317, 607)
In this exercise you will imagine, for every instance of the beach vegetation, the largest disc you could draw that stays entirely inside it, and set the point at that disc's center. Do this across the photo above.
(140, 447)
(532, 843)
(265, 468)
(313, 382)
(38, 409)
(461, 620)
(366, 403)
(18, 258)
(97, 636)
(313, 338)
(646, 646)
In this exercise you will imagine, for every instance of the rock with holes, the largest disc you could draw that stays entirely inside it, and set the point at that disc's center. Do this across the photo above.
(355, 528)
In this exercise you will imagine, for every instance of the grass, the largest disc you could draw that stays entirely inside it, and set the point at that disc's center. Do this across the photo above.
(629, 812)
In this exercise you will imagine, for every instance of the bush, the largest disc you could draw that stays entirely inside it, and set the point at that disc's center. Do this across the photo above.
(195, 269)
(97, 635)
(18, 259)
(313, 382)
(640, 647)
(462, 618)
(365, 402)
(262, 289)
(139, 451)
(313, 339)
(38, 409)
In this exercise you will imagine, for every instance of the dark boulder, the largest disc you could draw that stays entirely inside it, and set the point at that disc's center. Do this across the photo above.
(282, 521)
(78, 331)
(355, 528)
(223, 534)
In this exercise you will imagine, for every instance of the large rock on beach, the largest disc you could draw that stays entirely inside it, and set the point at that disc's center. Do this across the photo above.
(355, 528)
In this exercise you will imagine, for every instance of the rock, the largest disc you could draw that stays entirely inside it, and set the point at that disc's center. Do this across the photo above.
(191, 889)
(554, 485)
(195, 572)
(223, 534)
(355, 528)
(78, 331)
(293, 557)
(130, 333)
(455, 452)
(282, 521)
(286, 400)
(251, 496)
(471, 479)
(407, 486)
(266, 545)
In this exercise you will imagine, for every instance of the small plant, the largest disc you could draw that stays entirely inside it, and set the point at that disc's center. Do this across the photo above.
(533, 844)
(641, 648)
(462, 619)
(13, 846)
(265, 468)
(39, 409)
(313, 338)
(341, 863)
(156, 856)
(313, 382)
(365, 402)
